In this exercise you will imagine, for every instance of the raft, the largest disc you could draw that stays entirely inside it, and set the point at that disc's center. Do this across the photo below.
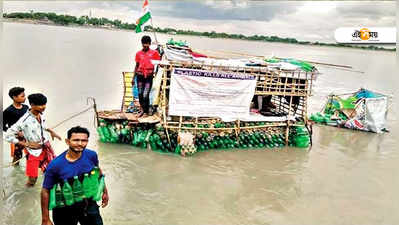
(363, 110)
(285, 125)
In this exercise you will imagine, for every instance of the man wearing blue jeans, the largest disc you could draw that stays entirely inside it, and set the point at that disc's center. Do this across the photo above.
(144, 72)
(75, 161)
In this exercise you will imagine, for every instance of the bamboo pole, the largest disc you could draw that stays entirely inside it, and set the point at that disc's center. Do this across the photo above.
(237, 129)
(124, 91)
(155, 35)
(164, 105)
(180, 122)
(305, 110)
(282, 124)
(196, 125)
(263, 57)
(288, 122)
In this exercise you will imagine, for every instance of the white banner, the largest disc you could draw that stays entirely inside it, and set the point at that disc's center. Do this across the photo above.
(210, 94)
(363, 35)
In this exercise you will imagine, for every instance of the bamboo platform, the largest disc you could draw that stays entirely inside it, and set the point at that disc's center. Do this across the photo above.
(290, 91)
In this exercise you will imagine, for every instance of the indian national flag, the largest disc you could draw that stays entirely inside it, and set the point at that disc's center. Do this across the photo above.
(146, 15)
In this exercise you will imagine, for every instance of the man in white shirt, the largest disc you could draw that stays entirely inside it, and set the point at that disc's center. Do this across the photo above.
(32, 126)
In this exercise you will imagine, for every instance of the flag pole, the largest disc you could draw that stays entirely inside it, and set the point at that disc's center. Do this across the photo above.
(154, 31)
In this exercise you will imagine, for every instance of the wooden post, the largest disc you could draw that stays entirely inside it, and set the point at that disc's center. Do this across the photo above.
(124, 91)
(180, 122)
(288, 121)
(285, 85)
(196, 126)
(305, 106)
(238, 130)
(95, 109)
(165, 73)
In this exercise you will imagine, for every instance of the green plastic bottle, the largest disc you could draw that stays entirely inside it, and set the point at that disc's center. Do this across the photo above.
(100, 189)
(93, 184)
(105, 132)
(101, 135)
(59, 197)
(178, 149)
(77, 188)
(68, 193)
(124, 131)
(201, 147)
(159, 143)
(211, 145)
(302, 141)
(153, 143)
(114, 135)
(112, 131)
(52, 202)
(87, 186)
(134, 141)
(94, 177)
(96, 173)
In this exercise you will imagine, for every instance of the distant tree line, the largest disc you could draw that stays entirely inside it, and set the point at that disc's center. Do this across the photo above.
(214, 34)
(70, 20)
(101, 22)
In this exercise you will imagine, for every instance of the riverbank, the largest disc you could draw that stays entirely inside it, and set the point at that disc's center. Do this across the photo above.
(50, 23)
(119, 26)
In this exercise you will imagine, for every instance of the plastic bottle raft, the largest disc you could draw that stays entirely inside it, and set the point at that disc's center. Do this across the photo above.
(203, 139)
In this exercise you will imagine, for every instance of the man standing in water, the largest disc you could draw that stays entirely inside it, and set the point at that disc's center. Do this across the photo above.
(144, 71)
(11, 115)
(75, 161)
(32, 126)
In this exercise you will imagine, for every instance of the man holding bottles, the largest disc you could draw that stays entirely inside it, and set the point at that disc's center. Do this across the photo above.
(76, 171)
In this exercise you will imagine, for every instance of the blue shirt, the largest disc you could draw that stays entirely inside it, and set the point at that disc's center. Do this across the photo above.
(60, 168)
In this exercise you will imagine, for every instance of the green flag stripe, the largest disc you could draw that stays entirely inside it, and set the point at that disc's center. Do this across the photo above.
(144, 18)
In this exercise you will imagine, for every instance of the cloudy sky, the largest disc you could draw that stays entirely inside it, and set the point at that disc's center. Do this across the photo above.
(303, 20)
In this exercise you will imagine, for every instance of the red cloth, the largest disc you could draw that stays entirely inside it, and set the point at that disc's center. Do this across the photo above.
(12, 146)
(144, 59)
(50, 155)
(198, 55)
(33, 163)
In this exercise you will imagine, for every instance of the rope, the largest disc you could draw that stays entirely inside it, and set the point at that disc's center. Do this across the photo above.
(71, 117)
(67, 119)
(12, 163)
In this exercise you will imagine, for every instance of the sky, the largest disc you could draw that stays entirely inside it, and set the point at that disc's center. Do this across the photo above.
(303, 20)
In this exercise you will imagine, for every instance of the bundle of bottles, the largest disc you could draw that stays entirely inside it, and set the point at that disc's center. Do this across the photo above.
(179, 43)
(333, 112)
(299, 137)
(142, 135)
(109, 132)
(70, 191)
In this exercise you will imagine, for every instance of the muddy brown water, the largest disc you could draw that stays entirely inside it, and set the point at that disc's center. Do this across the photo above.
(347, 177)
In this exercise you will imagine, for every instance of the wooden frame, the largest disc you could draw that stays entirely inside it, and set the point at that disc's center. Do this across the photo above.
(278, 83)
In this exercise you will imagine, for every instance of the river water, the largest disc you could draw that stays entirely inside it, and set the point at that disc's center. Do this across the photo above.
(347, 177)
